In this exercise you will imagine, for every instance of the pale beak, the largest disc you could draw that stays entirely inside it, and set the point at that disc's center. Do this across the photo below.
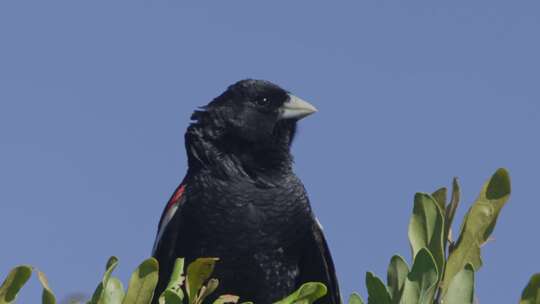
(296, 108)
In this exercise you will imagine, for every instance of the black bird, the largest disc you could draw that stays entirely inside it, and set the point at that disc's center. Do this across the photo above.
(241, 201)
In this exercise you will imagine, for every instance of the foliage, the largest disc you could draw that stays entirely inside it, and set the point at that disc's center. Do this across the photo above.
(442, 269)
(15, 280)
(191, 288)
(531, 293)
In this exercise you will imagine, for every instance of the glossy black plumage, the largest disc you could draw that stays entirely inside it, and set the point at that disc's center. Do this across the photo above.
(240, 200)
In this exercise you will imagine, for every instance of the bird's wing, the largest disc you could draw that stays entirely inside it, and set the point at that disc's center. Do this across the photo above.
(317, 266)
(172, 208)
(167, 237)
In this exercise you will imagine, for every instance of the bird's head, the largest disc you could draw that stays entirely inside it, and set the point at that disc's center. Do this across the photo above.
(251, 117)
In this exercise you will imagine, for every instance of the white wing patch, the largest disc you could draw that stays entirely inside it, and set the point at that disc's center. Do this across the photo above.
(319, 223)
(166, 219)
(171, 208)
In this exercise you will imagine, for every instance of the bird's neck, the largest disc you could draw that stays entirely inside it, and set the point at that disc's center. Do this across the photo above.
(209, 149)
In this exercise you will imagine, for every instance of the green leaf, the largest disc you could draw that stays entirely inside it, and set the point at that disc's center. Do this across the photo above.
(421, 282)
(307, 293)
(111, 265)
(173, 294)
(47, 297)
(112, 262)
(377, 293)
(311, 291)
(531, 293)
(497, 192)
(426, 228)
(142, 283)
(207, 290)
(99, 293)
(451, 211)
(355, 299)
(224, 299)
(169, 298)
(114, 293)
(461, 289)
(477, 226)
(396, 276)
(197, 273)
(13, 283)
(440, 197)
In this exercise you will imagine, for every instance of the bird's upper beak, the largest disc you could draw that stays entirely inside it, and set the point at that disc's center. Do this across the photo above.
(296, 108)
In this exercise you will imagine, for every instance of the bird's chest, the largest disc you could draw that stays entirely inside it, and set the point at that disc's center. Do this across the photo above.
(248, 215)
(257, 232)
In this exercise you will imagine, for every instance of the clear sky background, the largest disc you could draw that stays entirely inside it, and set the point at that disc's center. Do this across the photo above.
(95, 97)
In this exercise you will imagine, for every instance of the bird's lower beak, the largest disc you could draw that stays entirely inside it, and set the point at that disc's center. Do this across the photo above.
(296, 108)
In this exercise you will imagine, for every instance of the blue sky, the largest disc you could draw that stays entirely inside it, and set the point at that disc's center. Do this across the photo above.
(95, 97)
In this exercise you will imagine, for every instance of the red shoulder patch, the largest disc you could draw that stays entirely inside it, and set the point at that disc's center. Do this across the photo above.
(176, 196)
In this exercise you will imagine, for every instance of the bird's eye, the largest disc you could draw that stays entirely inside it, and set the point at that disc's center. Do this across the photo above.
(263, 101)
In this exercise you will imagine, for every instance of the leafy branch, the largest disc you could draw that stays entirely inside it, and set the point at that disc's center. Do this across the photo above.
(442, 270)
